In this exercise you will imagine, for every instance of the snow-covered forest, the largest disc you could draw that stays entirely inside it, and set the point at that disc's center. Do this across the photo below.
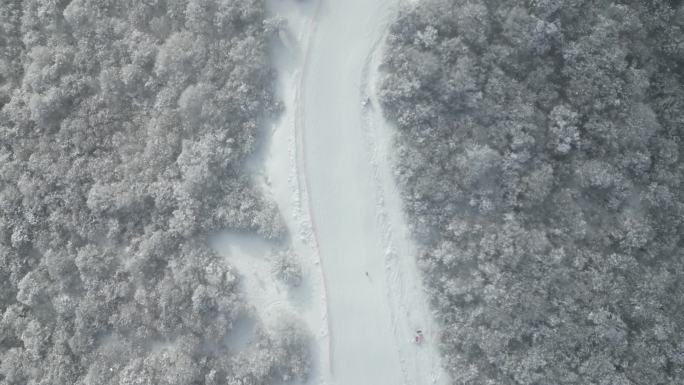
(338, 192)
(124, 126)
(539, 149)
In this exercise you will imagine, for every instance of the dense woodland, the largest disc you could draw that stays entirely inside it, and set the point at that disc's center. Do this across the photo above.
(124, 126)
(540, 148)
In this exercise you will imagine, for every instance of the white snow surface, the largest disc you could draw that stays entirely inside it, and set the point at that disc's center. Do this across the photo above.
(328, 166)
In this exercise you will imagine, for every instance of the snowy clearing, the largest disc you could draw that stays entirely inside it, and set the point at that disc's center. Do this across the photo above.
(328, 167)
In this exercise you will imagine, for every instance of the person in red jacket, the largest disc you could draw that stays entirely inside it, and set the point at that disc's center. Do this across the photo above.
(419, 337)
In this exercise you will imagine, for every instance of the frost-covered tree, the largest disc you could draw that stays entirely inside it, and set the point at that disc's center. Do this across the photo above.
(124, 127)
(539, 157)
(286, 268)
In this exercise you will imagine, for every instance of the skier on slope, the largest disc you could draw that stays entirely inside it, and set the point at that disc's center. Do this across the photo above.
(418, 339)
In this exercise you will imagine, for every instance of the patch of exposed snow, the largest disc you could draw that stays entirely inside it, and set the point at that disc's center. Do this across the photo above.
(242, 335)
(252, 257)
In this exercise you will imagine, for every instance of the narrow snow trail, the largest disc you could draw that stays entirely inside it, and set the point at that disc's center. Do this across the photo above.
(328, 167)
(342, 195)
(372, 316)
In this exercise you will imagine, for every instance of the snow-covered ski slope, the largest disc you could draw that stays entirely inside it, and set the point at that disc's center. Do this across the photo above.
(328, 167)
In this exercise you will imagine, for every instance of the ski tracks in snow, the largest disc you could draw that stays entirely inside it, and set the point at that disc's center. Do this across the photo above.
(303, 186)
